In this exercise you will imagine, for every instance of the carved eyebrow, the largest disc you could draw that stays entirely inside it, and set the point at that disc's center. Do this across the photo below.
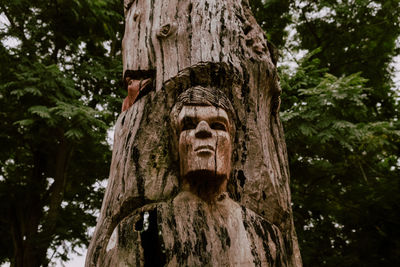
(187, 123)
(190, 118)
(220, 119)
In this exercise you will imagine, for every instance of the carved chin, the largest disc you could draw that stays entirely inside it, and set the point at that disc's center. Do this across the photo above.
(206, 184)
(205, 161)
(200, 162)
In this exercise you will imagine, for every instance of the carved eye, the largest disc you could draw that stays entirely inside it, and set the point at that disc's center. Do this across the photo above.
(218, 126)
(188, 124)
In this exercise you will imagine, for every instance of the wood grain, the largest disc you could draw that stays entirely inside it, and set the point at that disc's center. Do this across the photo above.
(188, 43)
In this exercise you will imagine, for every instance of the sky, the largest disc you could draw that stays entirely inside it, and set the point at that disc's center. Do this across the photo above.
(77, 261)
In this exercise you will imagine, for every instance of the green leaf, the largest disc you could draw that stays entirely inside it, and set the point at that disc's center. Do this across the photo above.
(41, 111)
(26, 122)
(74, 134)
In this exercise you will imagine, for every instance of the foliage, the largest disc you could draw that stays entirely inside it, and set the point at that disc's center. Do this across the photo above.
(354, 36)
(59, 93)
(345, 169)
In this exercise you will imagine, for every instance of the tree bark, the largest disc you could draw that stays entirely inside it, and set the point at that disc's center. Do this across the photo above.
(182, 44)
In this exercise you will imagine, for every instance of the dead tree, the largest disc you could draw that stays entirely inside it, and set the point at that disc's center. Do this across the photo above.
(147, 217)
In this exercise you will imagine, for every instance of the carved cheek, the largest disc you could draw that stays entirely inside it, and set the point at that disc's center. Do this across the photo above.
(186, 140)
(224, 143)
(185, 150)
(224, 151)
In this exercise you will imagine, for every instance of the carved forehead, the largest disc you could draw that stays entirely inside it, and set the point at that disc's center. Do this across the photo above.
(204, 96)
(203, 113)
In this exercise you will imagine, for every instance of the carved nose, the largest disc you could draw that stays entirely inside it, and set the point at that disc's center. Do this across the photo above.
(203, 130)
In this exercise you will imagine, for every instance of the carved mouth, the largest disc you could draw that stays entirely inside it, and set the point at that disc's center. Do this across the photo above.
(204, 149)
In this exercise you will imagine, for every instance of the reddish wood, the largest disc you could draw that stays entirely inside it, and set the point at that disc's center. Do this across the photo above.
(134, 87)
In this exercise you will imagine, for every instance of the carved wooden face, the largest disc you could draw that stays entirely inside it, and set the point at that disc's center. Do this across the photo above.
(204, 141)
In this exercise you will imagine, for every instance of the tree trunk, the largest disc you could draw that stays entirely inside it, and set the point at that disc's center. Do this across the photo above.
(30, 243)
(146, 218)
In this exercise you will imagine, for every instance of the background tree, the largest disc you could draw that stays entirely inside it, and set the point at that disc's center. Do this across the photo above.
(344, 170)
(354, 36)
(60, 90)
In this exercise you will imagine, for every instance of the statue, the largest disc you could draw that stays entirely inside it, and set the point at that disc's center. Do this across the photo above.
(204, 131)
(204, 126)
(177, 199)
(171, 233)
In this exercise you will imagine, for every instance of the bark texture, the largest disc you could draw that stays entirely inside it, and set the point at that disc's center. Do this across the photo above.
(179, 44)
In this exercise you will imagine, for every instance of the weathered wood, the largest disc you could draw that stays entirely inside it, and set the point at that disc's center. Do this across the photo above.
(196, 234)
(187, 43)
